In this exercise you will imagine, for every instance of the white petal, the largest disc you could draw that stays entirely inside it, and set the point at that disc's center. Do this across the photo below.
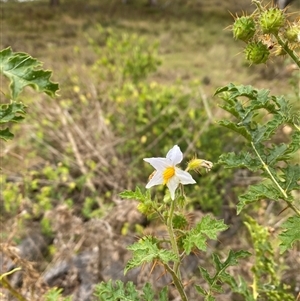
(184, 177)
(175, 155)
(158, 163)
(157, 179)
(172, 185)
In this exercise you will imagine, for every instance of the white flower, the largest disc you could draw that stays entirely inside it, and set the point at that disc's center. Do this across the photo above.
(167, 172)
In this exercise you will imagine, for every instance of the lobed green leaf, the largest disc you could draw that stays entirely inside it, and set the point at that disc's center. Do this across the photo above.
(6, 134)
(294, 146)
(108, 291)
(220, 276)
(208, 227)
(236, 128)
(256, 193)
(290, 234)
(12, 112)
(291, 176)
(147, 250)
(22, 71)
(243, 159)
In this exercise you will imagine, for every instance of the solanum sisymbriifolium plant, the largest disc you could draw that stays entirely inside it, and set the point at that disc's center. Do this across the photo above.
(183, 236)
(259, 117)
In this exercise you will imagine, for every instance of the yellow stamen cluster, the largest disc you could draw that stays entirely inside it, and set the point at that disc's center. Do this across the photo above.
(168, 173)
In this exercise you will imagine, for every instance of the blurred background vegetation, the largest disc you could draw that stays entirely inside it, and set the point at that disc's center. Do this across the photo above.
(134, 80)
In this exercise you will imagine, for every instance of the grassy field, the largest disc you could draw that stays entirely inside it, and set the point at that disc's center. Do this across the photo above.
(73, 155)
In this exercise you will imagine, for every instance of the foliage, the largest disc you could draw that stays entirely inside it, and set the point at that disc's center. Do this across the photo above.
(280, 175)
(248, 106)
(137, 117)
(266, 281)
(220, 276)
(125, 57)
(290, 233)
(55, 294)
(127, 292)
(22, 70)
(198, 235)
(183, 238)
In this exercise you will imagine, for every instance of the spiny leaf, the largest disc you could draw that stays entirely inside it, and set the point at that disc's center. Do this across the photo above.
(148, 293)
(291, 175)
(146, 204)
(233, 160)
(243, 289)
(221, 276)
(134, 195)
(146, 250)
(264, 132)
(22, 71)
(200, 290)
(12, 112)
(208, 227)
(236, 91)
(6, 134)
(284, 107)
(108, 291)
(276, 153)
(290, 234)
(256, 193)
(234, 127)
(294, 146)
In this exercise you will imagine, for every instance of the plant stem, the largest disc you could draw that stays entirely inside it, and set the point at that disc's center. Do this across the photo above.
(175, 272)
(177, 283)
(265, 166)
(5, 283)
(173, 239)
(289, 51)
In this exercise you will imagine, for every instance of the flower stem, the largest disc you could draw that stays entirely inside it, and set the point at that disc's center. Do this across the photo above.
(173, 239)
(175, 272)
(289, 51)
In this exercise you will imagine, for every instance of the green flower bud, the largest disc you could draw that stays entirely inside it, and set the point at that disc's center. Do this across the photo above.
(293, 33)
(257, 53)
(244, 28)
(272, 20)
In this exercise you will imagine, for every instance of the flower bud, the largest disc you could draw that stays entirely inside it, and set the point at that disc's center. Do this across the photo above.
(244, 28)
(257, 53)
(272, 20)
(196, 164)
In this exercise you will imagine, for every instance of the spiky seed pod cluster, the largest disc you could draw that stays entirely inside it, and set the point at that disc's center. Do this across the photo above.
(271, 20)
(257, 52)
(292, 34)
(244, 28)
(267, 31)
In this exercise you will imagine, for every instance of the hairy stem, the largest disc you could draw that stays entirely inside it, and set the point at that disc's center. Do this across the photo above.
(173, 239)
(177, 283)
(289, 51)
